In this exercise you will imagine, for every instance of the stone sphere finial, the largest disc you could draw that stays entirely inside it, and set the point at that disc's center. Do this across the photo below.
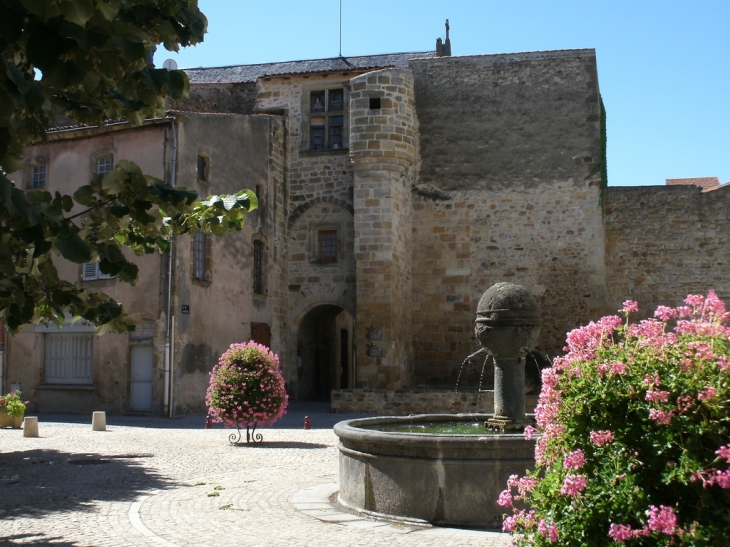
(508, 320)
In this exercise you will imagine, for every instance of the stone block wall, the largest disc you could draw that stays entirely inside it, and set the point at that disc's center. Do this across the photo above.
(506, 143)
(549, 241)
(382, 151)
(239, 98)
(663, 243)
(384, 402)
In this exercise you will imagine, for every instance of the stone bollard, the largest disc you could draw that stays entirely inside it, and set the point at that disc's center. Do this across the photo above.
(98, 421)
(30, 426)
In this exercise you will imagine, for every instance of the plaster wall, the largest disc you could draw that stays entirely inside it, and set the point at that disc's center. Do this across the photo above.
(238, 150)
(70, 157)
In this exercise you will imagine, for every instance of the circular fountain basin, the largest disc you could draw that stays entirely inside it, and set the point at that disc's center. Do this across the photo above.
(448, 479)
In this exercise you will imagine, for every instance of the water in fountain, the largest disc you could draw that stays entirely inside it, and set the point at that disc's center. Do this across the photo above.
(481, 377)
(461, 368)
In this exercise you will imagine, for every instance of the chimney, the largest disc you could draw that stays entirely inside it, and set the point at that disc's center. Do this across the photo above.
(443, 49)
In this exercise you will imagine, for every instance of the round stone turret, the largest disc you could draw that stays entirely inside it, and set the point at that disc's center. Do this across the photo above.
(508, 327)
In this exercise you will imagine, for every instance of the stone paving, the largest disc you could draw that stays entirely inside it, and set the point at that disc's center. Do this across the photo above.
(156, 482)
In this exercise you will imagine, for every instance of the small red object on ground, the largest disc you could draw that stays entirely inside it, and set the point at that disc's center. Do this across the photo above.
(307, 422)
(208, 423)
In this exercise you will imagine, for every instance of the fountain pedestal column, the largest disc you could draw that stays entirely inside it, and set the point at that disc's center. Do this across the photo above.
(509, 393)
(508, 326)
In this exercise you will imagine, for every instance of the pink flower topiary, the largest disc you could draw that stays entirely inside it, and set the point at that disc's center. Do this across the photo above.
(246, 387)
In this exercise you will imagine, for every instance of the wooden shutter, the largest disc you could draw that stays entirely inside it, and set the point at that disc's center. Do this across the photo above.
(261, 334)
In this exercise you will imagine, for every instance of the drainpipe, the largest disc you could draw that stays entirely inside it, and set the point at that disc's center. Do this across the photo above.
(171, 259)
(2, 355)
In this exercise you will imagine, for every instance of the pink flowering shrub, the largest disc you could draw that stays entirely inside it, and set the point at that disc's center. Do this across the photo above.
(633, 435)
(246, 387)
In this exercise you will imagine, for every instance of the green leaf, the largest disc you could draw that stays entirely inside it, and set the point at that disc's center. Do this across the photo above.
(112, 181)
(73, 248)
(77, 11)
(17, 77)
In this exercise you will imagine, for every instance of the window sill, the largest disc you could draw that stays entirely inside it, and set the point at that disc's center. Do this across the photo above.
(66, 387)
(328, 152)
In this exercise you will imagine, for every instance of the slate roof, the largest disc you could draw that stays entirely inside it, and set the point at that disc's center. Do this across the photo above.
(706, 183)
(250, 73)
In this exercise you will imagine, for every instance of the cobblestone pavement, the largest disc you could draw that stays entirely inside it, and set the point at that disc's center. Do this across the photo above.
(156, 482)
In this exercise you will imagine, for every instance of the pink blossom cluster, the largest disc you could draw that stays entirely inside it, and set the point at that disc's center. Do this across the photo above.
(715, 476)
(599, 438)
(575, 460)
(549, 531)
(707, 394)
(657, 396)
(661, 417)
(662, 520)
(574, 485)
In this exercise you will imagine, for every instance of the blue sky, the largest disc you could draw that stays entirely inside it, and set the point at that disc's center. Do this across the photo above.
(664, 66)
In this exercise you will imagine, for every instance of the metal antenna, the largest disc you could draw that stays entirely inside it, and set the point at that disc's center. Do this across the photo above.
(340, 28)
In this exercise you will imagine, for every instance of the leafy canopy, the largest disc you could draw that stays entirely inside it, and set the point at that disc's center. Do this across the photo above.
(88, 61)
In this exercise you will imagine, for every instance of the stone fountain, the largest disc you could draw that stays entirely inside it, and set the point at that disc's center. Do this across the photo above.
(450, 479)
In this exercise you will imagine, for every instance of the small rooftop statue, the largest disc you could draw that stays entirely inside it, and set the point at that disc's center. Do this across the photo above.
(508, 326)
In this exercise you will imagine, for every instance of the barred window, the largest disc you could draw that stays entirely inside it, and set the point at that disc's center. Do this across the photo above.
(328, 245)
(258, 267)
(202, 256)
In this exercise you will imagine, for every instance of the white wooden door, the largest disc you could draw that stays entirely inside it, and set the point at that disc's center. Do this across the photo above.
(141, 378)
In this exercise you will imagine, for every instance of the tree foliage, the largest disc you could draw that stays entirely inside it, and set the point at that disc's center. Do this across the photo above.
(89, 61)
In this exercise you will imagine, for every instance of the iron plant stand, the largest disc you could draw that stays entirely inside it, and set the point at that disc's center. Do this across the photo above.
(251, 435)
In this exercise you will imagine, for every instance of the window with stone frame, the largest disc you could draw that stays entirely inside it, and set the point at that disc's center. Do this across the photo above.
(258, 266)
(327, 245)
(326, 120)
(104, 164)
(203, 169)
(38, 175)
(202, 257)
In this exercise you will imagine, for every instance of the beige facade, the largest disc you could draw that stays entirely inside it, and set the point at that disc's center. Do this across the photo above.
(394, 190)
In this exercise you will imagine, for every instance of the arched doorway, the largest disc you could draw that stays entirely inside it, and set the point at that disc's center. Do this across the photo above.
(324, 353)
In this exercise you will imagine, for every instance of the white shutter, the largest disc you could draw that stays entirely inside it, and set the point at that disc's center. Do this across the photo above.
(90, 271)
(69, 358)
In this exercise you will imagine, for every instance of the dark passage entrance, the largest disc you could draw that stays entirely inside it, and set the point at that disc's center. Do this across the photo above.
(324, 350)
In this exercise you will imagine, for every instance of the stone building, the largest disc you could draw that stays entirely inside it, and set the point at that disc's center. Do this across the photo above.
(395, 189)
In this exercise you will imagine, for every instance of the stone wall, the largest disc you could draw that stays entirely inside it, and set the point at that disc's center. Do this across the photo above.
(506, 144)
(382, 149)
(384, 402)
(239, 98)
(663, 243)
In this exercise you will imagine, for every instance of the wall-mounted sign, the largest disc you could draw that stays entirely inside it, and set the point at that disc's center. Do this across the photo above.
(374, 334)
(371, 350)
(185, 309)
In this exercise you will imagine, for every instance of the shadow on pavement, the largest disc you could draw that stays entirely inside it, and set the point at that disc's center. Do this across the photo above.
(282, 444)
(36, 540)
(38, 482)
